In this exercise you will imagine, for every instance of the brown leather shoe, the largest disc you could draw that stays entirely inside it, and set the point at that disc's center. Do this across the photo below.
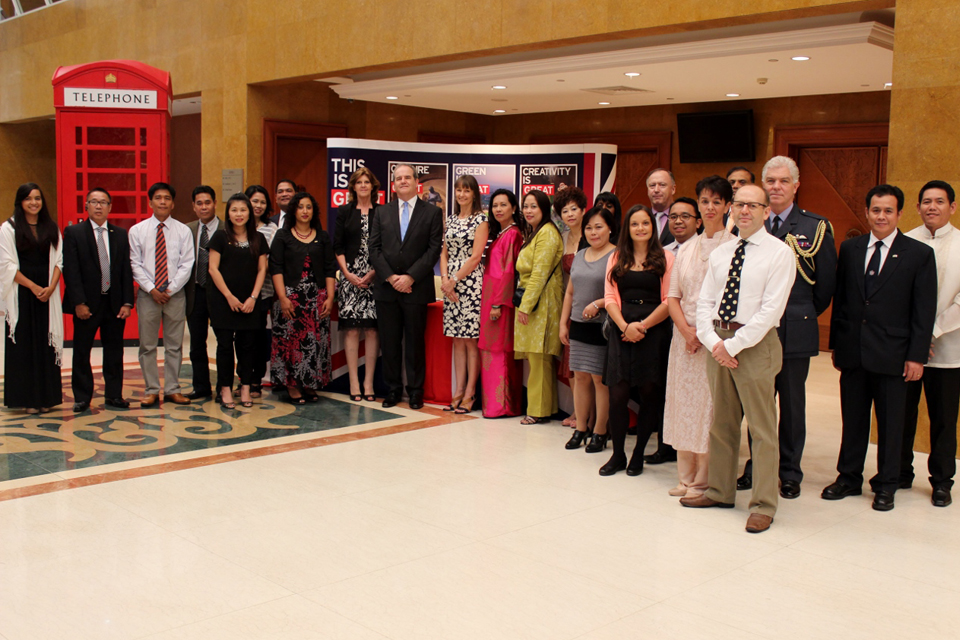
(177, 398)
(758, 523)
(149, 400)
(703, 502)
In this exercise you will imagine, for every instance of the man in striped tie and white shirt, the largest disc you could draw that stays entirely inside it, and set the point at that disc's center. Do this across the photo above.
(161, 255)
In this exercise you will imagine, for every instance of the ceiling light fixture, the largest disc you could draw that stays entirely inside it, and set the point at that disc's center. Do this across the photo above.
(603, 103)
(631, 74)
(498, 86)
(887, 85)
(800, 58)
(733, 95)
(499, 111)
(392, 98)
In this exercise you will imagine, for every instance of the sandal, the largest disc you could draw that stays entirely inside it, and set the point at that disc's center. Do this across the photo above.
(532, 420)
(295, 401)
(455, 403)
(310, 396)
(370, 397)
(465, 407)
(256, 391)
(356, 397)
(227, 405)
(246, 405)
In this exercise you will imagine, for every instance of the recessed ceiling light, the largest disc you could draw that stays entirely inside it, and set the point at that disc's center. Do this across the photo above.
(631, 74)
(669, 98)
(561, 80)
(733, 95)
(499, 111)
(498, 100)
(392, 98)
(887, 85)
(603, 103)
(800, 58)
(773, 60)
(864, 85)
(498, 86)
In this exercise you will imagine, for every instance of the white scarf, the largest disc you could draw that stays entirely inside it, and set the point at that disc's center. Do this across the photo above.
(10, 290)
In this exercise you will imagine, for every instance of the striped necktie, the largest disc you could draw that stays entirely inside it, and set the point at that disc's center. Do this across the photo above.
(162, 278)
(104, 261)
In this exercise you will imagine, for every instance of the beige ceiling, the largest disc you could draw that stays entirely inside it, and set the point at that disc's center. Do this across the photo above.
(847, 54)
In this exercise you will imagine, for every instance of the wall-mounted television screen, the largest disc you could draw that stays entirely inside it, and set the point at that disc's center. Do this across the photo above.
(716, 136)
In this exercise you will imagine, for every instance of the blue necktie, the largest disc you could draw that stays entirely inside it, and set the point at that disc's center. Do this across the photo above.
(404, 220)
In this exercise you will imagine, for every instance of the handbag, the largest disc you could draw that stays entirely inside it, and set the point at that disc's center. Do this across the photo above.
(519, 291)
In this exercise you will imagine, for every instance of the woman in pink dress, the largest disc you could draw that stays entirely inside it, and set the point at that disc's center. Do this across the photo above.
(501, 378)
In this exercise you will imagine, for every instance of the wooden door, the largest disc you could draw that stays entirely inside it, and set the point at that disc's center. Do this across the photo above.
(838, 166)
(298, 151)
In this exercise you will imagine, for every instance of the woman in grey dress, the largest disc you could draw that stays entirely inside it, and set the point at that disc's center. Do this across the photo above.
(583, 307)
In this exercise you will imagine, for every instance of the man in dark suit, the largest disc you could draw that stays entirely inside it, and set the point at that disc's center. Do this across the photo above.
(99, 293)
(198, 315)
(880, 332)
(810, 237)
(286, 189)
(405, 241)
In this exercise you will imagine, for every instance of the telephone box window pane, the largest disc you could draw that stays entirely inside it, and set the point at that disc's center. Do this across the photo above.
(111, 159)
(79, 131)
(124, 223)
(124, 204)
(143, 159)
(80, 204)
(143, 137)
(112, 136)
(114, 181)
(143, 205)
(143, 182)
(79, 158)
(79, 182)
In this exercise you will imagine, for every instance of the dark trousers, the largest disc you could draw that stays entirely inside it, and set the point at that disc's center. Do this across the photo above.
(859, 389)
(403, 325)
(942, 390)
(199, 321)
(242, 342)
(263, 342)
(111, 337)
(650, 397)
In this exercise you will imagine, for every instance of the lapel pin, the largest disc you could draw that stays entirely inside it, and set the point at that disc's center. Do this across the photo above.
(894, 255)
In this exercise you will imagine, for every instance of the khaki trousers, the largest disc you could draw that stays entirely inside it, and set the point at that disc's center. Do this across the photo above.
(750, 386)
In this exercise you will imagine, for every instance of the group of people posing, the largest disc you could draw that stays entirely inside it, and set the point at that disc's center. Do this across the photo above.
(700, 310)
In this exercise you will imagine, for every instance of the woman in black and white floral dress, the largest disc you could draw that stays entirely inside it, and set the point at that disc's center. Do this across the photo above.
(462, 283)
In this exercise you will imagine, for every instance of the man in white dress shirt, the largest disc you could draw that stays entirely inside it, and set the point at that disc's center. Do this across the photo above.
(684, 222)
(941, 375)
(742, 300)
(161, 256)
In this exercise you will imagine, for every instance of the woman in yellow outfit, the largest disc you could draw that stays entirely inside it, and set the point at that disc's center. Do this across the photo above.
(537, 331)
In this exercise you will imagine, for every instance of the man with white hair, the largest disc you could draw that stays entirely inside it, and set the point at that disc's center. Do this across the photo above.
(810, 237)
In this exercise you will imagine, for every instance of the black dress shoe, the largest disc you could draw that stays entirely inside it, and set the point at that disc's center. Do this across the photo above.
(839, 491)
(598, 442)
(661, 456)
(745, 482)
(614, 464)
(941, 497)
(80, 407)
(905, 483)
(119, 403)
(391, 400)
(789, 489)
(883, 501)
(635, 468)
(576, 440)
(197, 395)
(416, 401)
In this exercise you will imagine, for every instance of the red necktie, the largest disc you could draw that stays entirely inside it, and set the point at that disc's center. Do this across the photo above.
(161, 280)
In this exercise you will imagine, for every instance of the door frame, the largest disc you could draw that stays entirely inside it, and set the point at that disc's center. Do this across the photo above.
(788, 141)
(274, 130)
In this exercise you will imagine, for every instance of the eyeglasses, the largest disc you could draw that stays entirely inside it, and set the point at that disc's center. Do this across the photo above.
(753, 206)
(686, 217)
(98, 203)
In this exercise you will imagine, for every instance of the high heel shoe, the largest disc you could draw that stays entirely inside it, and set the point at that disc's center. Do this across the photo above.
(598, 442)
(576, 440)
(455, 403)
(618, 462)
(466, 406)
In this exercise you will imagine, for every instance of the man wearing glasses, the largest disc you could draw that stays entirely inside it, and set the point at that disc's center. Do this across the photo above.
(743, 297)
(684, 222)
(810, 237)
(99, 293)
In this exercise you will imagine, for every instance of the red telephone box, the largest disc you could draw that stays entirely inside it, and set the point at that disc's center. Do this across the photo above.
(113, 131)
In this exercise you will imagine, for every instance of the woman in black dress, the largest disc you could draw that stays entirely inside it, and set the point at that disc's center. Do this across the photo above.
(301, 261)
(356, 310)
(238, 266)
(638, 339)
(31, 258)
(262, 211)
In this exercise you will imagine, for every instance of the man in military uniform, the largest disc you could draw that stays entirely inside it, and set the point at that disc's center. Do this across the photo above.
(811, 238)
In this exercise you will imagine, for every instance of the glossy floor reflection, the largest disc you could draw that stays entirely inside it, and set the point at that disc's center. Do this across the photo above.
(479, 529)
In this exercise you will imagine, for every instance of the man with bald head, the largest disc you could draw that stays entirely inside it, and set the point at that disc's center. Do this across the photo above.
(661, 188)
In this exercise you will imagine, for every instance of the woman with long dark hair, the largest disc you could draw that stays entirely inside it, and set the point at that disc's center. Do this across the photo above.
(262, 211)
(238, 266)
(31, 259)
(356, 309)
(461, 274)
(302, 264)
(638, 341)
(569, 206)
(537, 329)
(501, 377)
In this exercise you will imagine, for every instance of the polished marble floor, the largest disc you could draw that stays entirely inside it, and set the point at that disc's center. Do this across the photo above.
(474, 529)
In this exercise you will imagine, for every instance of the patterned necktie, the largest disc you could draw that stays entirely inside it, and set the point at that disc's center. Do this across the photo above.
(404, 220)
(160, 261)
(873, 270)
(731, 293)
(203, 256)
(775, 226)
(104, 261)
